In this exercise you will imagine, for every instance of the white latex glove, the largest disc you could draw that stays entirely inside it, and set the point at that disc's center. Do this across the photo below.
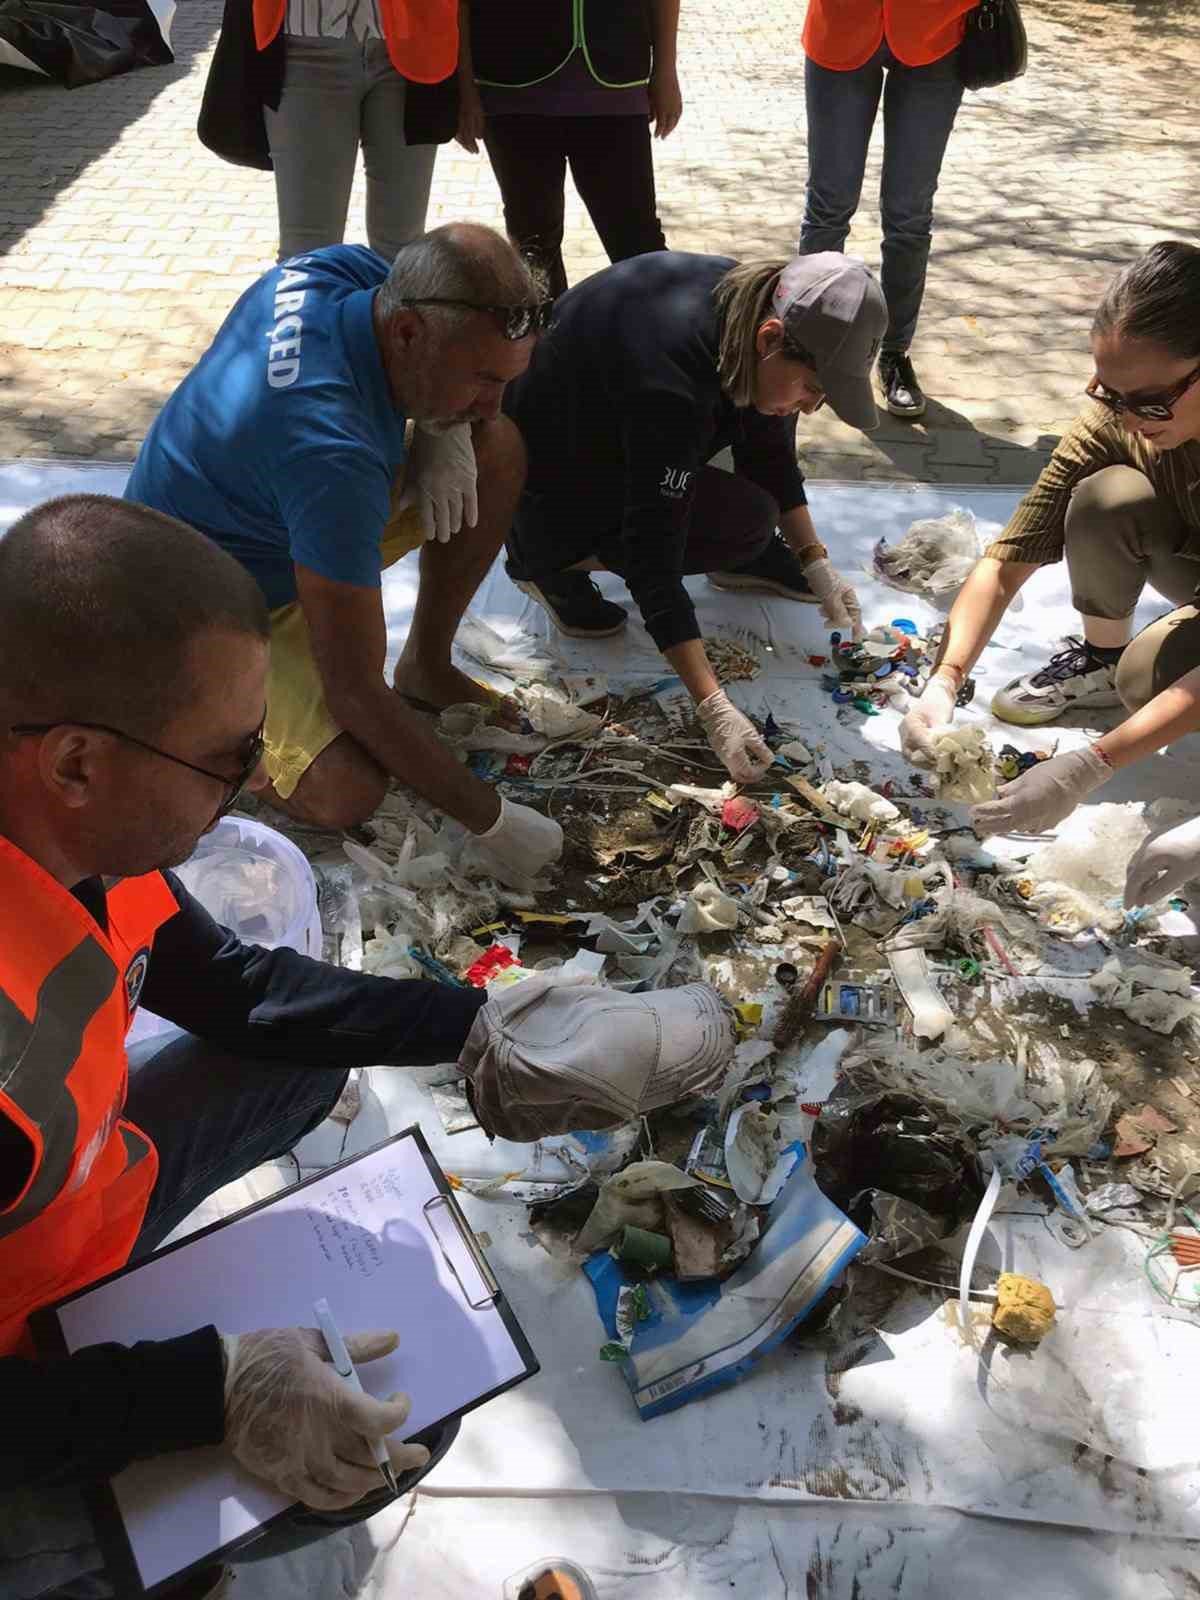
(1042, 796)
(1163, 863)
(290, 1420)
(518, 844)
(439, 479)
(839, 603)
(734, 738)
(932, 712)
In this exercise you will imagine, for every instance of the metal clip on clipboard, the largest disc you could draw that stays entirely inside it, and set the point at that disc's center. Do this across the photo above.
(472, 1244)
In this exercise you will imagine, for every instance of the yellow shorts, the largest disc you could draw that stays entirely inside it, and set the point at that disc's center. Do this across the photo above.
(299, 725)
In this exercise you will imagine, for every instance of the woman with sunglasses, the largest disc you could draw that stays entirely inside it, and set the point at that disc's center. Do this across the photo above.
(1119, 498)
(650, 368)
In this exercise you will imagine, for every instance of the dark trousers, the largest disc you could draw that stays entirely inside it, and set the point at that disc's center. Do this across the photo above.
(213, 1117)
(612, 168)
(731, 523)
(919, 108)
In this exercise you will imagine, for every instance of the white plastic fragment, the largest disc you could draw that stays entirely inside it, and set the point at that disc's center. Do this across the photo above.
(964, 764)
(522, 656)
(855, 800)
(711, 799)
(1158, 994)
(930, 1013)
(934, 558)
(757, 1164)
(796, 751)
(706, 910)
(974, 1239)
(553, 713)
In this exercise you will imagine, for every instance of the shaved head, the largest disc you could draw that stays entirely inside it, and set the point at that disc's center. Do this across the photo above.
(101, 602)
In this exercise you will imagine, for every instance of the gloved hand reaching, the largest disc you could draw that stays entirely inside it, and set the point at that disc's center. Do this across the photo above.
(518, 845)
(290, 1420)
(932, 712)
(439, 480)
(734, 738)
(839, 603)
(1042, 796)
(1163, 863)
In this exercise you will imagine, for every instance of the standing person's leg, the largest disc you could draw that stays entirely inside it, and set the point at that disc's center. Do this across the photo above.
(840, 111)
(919, 108)
(1119, 538)
(399, 174)
(313, 139)
(612, 163)
(528, 158)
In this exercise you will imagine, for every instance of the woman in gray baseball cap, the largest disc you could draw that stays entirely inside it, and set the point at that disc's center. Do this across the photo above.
(649, 369)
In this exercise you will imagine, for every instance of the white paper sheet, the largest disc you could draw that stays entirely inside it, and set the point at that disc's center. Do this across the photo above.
(360, 1236)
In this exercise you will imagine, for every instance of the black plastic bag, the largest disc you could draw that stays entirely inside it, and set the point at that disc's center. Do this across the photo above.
(79, 44)
(868, 1145)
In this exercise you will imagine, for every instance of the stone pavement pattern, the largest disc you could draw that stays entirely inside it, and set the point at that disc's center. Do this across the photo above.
(123, 242)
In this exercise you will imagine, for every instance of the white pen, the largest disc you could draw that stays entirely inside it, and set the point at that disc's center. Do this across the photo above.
(346, 1369)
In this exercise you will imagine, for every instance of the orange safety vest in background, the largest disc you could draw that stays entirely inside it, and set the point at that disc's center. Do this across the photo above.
(845, 34)
(68, 993)
(421, 35)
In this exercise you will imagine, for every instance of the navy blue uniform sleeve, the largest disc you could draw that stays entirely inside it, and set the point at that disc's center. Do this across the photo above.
(764, 452)
(663, 440)
(277, 1005)
(88, 1415)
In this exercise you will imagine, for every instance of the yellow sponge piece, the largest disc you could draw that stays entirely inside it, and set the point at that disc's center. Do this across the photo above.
(1024, 1308)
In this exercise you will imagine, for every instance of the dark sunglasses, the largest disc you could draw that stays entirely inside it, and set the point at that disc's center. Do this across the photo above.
(516, 322)
(235, 785)
(1154, 408)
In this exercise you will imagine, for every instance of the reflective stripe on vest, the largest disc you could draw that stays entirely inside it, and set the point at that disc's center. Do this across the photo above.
(845, 34)
(517, 48)
(65, 1007)
(421, 35)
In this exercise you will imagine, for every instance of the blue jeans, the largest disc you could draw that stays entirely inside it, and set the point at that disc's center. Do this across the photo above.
(213, 1117)
(919, 107)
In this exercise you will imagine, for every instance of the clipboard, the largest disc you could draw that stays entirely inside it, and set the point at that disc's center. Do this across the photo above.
(382, 1237)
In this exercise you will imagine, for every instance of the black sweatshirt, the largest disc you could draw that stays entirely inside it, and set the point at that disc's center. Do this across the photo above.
(620, 408)
(91, 1414)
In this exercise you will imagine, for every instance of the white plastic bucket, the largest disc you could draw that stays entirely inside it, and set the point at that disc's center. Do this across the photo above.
(255, 882)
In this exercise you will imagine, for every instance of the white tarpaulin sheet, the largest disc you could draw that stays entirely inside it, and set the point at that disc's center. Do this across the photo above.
(886, 1459)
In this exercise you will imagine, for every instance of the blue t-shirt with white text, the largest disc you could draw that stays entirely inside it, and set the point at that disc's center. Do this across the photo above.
(283, 441)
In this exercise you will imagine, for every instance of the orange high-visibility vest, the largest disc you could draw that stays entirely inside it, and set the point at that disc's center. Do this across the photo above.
(844, 34)
(421, 35)
(68, 992)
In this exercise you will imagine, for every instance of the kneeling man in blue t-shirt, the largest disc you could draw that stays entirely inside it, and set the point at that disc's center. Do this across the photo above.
(286, 444)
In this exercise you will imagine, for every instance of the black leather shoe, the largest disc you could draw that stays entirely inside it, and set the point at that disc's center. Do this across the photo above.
(901, 391)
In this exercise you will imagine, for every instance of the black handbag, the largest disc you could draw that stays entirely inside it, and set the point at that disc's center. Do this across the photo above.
(994, 48)
(242, 79)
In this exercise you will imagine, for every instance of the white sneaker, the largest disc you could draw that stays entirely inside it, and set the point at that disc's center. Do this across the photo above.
(1070, 679)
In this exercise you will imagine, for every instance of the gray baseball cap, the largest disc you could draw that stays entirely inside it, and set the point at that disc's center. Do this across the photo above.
(832, 306)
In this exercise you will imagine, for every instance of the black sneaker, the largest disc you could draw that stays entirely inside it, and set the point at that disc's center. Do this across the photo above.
(901, 391)
(576, 606)
(776, 571)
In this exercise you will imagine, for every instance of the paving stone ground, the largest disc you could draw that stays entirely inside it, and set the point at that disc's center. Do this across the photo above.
(123, 242)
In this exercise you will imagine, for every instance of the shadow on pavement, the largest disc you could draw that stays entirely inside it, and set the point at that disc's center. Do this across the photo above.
(51, 135)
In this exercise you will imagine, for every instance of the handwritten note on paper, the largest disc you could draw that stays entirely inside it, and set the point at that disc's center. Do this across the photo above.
(359, 1236)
